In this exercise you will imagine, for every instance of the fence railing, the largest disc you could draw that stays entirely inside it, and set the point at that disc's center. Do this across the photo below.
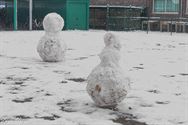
(130, 18)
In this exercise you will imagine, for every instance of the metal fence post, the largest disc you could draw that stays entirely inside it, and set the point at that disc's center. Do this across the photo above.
(148, 25)
(15, 15)
(171, 27)
(30, 14)
(107, 17)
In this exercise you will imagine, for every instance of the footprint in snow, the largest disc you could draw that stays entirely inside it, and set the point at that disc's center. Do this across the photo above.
(154, 91)
(22, 117)
(126, 121)
(66, 105)
(77, 79)
(50, 118)
(162, 102)
(23, 100)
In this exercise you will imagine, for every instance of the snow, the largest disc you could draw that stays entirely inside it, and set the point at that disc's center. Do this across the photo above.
(35, 92)
(53, 22)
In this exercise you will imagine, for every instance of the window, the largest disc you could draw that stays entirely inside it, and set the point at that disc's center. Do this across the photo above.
(171, 6)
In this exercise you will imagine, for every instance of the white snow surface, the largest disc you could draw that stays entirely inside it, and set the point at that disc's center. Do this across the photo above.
(33, 92)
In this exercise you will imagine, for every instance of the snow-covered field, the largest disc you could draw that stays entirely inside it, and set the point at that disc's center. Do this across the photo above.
(33, 92)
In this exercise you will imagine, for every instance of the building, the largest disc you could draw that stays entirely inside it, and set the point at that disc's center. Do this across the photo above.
(161, 8)
(156, 14)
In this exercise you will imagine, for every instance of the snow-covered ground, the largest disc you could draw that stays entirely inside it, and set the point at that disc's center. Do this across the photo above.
(33, 92)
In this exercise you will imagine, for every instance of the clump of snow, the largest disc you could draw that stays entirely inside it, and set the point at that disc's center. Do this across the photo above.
(53, 22)
(50, 48)
(107, 84)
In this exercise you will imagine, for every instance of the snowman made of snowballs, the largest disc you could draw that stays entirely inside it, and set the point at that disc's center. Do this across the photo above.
(51, 47)
(107, 84)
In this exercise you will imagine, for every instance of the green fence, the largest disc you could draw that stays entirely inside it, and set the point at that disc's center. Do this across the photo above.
(6, 14)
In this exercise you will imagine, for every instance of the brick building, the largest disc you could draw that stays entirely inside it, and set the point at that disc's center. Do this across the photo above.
(161, 8)
(160, 13)
(119, 2)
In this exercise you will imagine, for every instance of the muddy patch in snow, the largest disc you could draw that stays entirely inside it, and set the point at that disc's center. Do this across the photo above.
(138, 68)
(50, 118)
(154, 91)
(22, 117)
(162, 102)
(184, 74)
(12, 78)
(168, 76)
(125, 121)
(66, 105)
(80, 58)
(2, 120)
(2, 82)
(24, 68)
(63, 81)
(77, 79)
(23, 100)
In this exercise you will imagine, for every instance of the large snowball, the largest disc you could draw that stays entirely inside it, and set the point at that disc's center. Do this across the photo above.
(51, 49)
(107, 86)
(53, 23)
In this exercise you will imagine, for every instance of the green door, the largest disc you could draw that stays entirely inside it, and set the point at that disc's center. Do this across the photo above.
(77, 16)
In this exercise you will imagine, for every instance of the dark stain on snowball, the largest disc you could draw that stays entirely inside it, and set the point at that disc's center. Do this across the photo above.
(77, 79)
(23, 100)
(98, 88)
(125, 121)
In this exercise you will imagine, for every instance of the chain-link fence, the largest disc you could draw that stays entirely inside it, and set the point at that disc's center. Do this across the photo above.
(126, 18)
(116, 17)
